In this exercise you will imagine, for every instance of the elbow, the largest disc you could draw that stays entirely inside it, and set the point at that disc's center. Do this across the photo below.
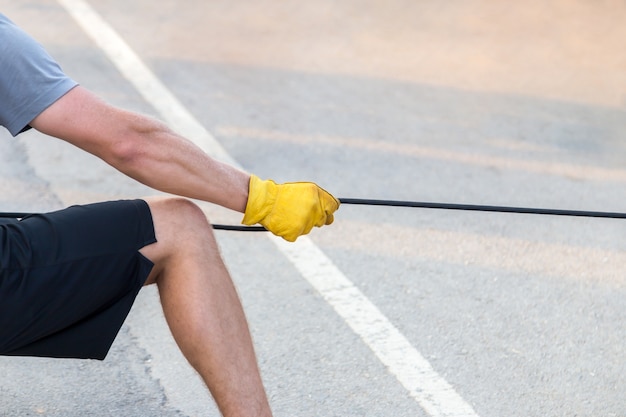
(125, 152)
(131, 145)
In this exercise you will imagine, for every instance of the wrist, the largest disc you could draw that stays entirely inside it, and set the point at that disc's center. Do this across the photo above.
(261, 199)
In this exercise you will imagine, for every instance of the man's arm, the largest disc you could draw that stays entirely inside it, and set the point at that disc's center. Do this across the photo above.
(148, 151)
(144, 149)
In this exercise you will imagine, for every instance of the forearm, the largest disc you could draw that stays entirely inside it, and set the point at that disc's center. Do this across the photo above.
(154, 155)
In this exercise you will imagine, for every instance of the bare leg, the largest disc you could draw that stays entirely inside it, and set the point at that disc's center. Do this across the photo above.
(202, 307)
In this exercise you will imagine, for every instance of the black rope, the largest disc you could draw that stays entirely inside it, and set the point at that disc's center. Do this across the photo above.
(12, 215)
(239, 228)
(18, 215)
(473, 207)
(417, 204)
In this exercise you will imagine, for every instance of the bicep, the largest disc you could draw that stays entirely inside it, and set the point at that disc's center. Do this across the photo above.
(82, 119)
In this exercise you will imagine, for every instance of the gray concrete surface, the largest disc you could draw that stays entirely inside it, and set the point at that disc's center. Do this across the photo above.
(471, 101)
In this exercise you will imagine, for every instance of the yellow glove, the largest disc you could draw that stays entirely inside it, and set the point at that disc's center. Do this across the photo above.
(288, 210)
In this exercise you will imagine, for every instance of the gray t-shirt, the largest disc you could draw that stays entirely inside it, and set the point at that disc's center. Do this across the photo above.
(30, 80)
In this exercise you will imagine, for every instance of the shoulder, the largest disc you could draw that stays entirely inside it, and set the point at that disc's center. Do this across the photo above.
(30, 79)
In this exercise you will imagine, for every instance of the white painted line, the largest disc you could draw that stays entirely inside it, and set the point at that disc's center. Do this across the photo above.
(430, 390)
(424, 384)
(143, 79)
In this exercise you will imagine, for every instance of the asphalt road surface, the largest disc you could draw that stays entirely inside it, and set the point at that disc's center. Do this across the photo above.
(389, 311)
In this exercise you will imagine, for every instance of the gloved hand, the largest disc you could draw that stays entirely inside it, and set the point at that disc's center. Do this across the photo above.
(288, 210)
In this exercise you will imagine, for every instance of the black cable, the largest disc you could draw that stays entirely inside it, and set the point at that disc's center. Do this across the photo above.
(12, 215)
(239, 228)
(18, 215)
(417, 204)
(473, 207)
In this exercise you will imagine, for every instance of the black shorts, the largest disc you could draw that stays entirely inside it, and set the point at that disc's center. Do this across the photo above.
(68, 279)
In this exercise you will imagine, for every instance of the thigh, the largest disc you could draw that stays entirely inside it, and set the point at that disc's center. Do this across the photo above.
(69, 278)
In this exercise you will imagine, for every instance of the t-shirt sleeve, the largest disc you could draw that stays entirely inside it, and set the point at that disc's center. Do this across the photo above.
(30, 80)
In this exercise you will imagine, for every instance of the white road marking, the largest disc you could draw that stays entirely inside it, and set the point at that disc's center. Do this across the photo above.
(430, 390)
(424, 384)
(143, 79)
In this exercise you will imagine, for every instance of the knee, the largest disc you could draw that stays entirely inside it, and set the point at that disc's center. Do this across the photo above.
(178, 208)
(177, 218)
(183, 235)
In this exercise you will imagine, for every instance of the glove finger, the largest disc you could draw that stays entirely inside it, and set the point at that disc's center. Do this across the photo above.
(291, 237)
(288, 233)
(329, 202)
(307, 228)
(321, 221)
